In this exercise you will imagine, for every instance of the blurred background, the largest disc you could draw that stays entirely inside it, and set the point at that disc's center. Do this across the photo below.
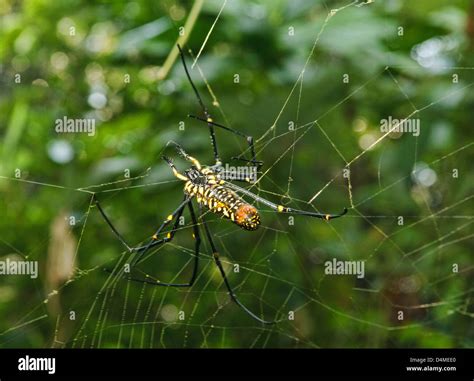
(409, 197)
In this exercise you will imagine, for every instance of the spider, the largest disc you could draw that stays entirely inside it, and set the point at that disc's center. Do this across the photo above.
(207, 186)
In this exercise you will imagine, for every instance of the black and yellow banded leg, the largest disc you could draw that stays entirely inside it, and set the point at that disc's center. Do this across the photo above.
(142, 250)
(211, 124)
(284, 209)
(177, 212)
(169, 236)
(249, 139)
(154, 241)
(173, 168)
(185, 155)
(233, 296)
(212, 133)
(197, 241)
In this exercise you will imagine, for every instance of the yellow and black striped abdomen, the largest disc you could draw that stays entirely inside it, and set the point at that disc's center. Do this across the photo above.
(224, 202)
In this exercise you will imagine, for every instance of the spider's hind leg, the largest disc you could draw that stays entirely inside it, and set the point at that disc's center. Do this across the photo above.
(233, 296)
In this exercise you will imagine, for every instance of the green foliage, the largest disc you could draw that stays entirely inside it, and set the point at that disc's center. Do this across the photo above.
(66, 53)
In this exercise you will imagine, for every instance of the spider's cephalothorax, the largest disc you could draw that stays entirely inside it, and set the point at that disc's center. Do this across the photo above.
(210, 191)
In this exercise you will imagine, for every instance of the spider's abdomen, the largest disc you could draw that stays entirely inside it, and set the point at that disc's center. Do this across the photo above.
(247, 217)
(226, 203)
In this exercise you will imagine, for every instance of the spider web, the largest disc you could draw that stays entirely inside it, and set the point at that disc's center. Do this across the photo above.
(281, 273)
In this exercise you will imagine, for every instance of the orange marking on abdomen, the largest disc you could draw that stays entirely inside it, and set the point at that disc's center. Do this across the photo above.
(247, 217)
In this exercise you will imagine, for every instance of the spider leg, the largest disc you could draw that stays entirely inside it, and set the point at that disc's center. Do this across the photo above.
(211, 124)
(175, 215)
(154, 240)
(185, 155)
(284, 209)
(197, 243)
(203, 107)
(154, 243)
(248, 138)
(233, 296)
(173, 168)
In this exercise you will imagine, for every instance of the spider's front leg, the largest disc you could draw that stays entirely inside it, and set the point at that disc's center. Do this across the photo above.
(249, 139)
(211, 124)
(185, 156)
